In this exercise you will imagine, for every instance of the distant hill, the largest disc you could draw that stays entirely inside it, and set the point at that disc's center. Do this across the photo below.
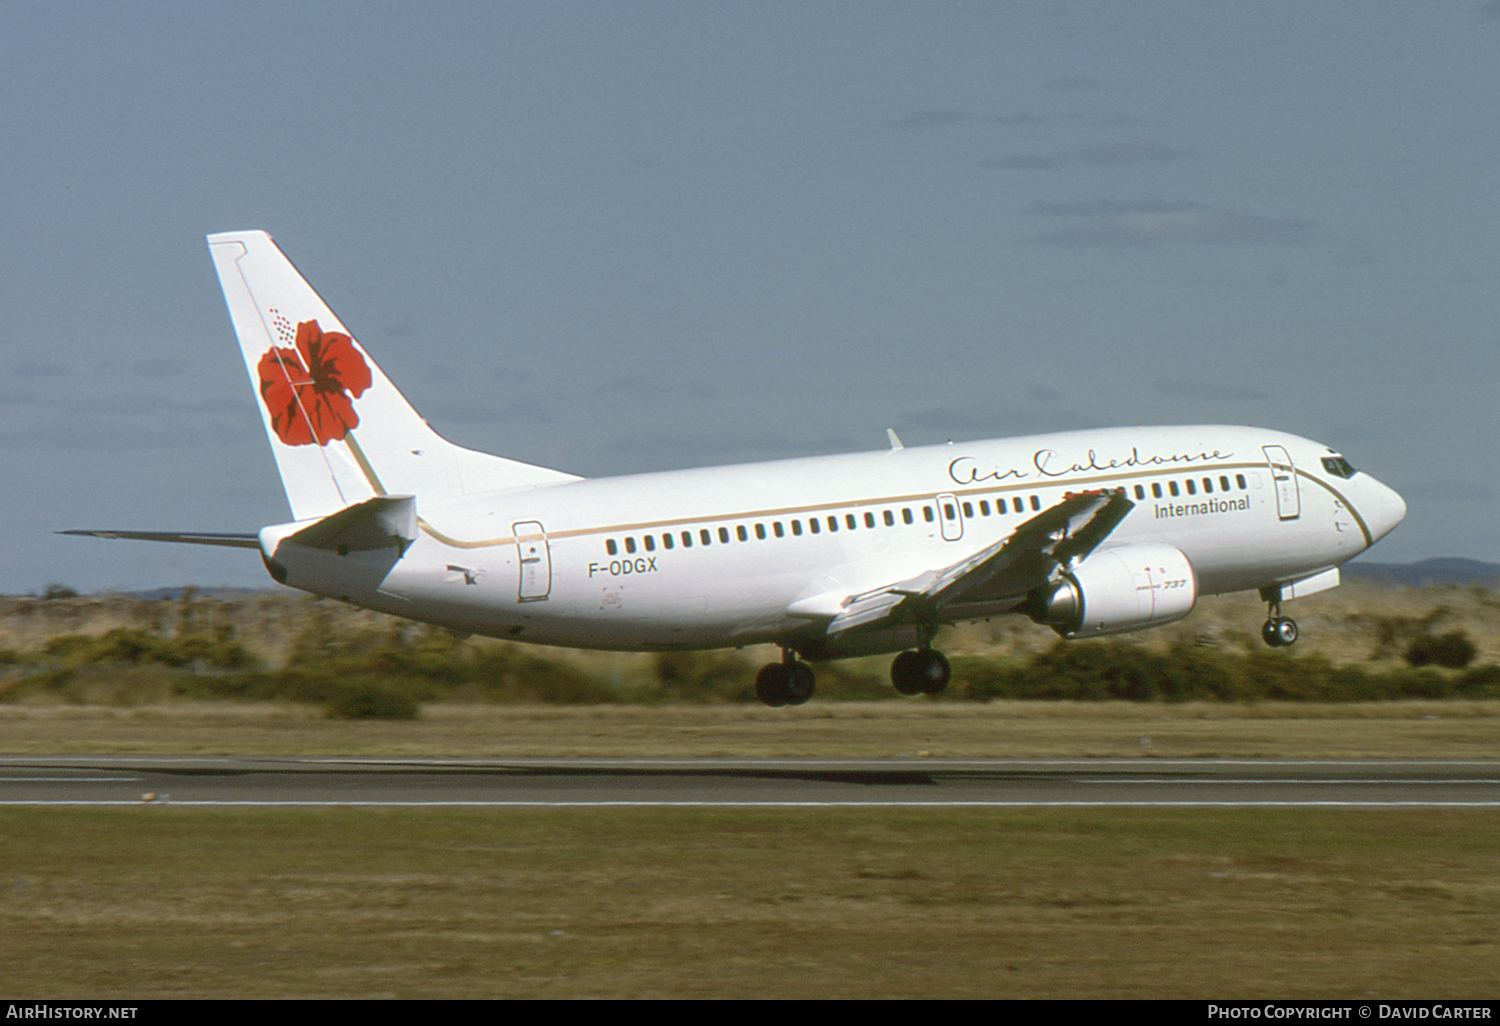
(1448, 570)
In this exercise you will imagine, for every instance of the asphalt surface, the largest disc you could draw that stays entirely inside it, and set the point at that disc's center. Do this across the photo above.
(206, 781)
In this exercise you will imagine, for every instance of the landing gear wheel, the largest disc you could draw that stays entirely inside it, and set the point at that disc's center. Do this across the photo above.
(788, 683)
(919, 672)
(1279, 631)
(799, 683)
(1286, 631)
(771, 684)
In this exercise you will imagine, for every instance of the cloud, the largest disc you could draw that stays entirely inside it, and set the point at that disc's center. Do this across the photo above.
(1102, 207)
(1117, 153)
(920, 119)
(1022, 118)
(654, 390)
(1129, 151)
(1023, 162)
(34, 369)
(1207, 391)
(1145, 229)
(1453, 490)
(1074, 84)
(162, 367)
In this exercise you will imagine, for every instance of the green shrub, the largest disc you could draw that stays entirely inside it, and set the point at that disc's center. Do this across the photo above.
(1453, 650)
(366, 701)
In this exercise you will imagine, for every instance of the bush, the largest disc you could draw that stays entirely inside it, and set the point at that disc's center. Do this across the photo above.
(1454, 651)
(370, 702)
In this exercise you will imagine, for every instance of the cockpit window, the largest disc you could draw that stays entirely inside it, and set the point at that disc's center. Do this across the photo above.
(1338, 467)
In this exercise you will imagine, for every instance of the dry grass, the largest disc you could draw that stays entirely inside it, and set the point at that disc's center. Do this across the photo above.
(752, 903)
(912, 728)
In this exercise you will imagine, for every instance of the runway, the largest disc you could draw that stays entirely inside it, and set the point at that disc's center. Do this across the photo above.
(538, 783)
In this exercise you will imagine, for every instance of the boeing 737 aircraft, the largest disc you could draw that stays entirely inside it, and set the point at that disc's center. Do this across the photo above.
(1088, 532)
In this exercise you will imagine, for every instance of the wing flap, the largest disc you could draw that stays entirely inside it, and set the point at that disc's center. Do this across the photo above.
(990, 580)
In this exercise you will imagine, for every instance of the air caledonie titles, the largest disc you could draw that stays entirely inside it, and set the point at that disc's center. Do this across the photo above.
(1049, 463)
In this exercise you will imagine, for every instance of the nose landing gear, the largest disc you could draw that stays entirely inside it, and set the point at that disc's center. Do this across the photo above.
(1278, 631)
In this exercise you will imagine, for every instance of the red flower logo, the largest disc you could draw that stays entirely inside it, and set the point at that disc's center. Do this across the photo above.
(307, 389)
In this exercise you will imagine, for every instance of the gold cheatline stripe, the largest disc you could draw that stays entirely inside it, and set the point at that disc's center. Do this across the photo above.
(1363, 527)
(652, 525)
(364, 464)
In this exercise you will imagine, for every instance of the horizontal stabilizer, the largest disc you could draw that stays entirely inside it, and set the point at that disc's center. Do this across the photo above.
(234, 541)
(377, 523)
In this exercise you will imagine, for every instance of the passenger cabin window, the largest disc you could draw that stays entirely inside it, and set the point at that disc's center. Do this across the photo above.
(705, 537)
(797, 527)
(833, 524)
(984, 507)
(666, 541)
(927, 514)
(813, 525)
(1239, 479)
(1172, 487)
(869, 519)
(611, 547)
(724, 535)
(1140, 492)
(1036, 503)
(1192, 489)
(906, 517)
(629, 544)
(889, 517)
(1156, 489)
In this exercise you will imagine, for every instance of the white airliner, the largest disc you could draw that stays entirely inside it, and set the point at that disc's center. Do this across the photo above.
(1089, 532)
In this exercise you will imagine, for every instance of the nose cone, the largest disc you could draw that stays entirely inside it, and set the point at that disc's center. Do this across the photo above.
(1383, 509)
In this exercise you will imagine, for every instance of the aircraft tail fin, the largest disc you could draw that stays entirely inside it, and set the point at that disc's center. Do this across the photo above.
(340, 431)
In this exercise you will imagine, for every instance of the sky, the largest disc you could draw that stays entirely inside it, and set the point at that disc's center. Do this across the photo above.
(612, 237)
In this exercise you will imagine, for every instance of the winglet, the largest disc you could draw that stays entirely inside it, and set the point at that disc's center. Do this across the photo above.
(895, 442)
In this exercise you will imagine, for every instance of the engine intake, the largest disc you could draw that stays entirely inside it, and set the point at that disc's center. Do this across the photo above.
(1118, 590)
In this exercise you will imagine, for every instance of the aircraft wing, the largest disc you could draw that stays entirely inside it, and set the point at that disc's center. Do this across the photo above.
(989, 581)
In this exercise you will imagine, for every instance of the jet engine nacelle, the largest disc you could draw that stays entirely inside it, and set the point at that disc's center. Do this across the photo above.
(1120, 589)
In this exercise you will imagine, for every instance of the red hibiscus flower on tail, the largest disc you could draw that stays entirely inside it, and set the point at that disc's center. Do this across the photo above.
(308, 389)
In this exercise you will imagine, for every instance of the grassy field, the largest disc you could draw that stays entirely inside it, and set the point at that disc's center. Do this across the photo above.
(910, 728)
(164, 902)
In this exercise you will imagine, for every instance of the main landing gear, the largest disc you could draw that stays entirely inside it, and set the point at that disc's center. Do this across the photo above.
(922, 671)
(1278, 631)
(789, 682)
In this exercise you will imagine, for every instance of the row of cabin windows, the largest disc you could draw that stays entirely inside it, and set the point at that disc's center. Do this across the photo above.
(815, 525)
(851, 522)
(1192, 486)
